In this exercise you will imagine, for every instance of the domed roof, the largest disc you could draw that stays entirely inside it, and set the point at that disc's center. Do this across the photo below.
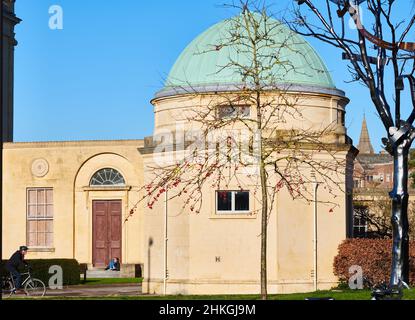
(201, 65)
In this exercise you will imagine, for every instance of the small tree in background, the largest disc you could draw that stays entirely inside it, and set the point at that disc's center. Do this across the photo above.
(375, 213)
(248, 135)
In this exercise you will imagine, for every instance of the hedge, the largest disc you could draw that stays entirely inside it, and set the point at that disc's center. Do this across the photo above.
(373, 255)
(70, 268)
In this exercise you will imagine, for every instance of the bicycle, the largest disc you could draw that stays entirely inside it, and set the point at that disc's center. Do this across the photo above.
(384, 292)
(31, 286)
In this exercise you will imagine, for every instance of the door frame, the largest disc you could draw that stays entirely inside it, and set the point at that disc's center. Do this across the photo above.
(107, 200)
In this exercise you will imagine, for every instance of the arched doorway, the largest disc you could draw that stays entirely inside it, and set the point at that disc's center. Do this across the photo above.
(107, 177)
(106, 219)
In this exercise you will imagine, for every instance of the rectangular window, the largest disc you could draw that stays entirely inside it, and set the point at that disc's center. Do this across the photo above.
(360, 223)
(232, 202)
(359, 228)
(341, 117)
(232, 112)
(40, 217)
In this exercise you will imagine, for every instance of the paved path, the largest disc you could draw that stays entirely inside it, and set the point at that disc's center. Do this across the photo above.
(116, 290)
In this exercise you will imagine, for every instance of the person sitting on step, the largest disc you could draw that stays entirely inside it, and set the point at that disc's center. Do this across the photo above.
(114, 265)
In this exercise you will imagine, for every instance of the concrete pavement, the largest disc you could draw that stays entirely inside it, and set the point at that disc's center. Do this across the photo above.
(114, 290)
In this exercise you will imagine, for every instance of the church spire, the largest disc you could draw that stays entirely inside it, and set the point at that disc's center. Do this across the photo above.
(365, 146)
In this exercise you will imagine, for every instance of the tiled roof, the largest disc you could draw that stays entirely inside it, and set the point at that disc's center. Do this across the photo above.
(368, 161)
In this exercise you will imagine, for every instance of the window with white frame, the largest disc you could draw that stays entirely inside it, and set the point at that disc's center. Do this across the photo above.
(360, 223)
(107, 177)
(40, 217)
(232, 202)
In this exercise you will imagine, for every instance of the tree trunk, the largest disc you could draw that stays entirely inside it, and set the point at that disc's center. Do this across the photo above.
(400, 225)
(264, 223)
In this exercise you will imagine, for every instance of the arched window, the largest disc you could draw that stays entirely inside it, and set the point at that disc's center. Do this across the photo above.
(107, 177)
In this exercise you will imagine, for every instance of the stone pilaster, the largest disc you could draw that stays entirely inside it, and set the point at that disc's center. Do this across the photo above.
(9, 42)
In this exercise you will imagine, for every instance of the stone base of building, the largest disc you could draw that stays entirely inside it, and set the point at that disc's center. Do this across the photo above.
(126, 270)
(200, 287)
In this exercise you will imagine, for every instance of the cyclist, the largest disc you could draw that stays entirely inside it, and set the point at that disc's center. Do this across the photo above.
(15, 261)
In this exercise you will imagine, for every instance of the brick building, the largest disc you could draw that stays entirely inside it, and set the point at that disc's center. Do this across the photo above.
(373, 180)
(371, 169)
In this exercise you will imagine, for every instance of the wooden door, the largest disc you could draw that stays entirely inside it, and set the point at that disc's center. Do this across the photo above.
(106, 231)
(114, 232)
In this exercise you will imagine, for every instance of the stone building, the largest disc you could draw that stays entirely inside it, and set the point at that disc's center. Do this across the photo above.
(8, 43)
(373, 180)
(371, 169)
(72, 199)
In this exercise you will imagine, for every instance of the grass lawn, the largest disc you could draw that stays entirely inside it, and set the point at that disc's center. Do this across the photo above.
(344, 295)
(337, 295)
(106, 281)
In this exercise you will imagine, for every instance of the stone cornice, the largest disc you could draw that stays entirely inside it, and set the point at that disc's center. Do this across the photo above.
(86, 143)
(150, 145)
(229, 88)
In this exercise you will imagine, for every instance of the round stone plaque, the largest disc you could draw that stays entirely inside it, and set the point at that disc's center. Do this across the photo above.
(40, 168)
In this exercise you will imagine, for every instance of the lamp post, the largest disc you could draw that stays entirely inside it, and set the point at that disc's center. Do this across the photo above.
(165, 242)
(315, 230)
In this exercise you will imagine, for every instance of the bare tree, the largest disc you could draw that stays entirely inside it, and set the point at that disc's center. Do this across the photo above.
(256, 134)
(372, 56)
(374, 211)
(377, 224)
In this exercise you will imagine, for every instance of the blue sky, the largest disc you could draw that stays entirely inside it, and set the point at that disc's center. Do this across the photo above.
(95, 78)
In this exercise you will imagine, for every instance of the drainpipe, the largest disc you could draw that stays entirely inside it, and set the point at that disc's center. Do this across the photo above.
(315, 185)
(165, 243)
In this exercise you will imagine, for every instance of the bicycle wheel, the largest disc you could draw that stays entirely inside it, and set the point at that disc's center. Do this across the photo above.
(35, 288)
(7, 288)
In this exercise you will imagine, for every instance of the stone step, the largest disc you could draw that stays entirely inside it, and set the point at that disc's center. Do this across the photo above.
(102, 274)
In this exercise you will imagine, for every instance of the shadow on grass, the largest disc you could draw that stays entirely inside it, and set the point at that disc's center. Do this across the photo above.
(109, 281)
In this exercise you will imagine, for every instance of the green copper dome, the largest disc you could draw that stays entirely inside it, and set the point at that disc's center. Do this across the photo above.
(201, 64)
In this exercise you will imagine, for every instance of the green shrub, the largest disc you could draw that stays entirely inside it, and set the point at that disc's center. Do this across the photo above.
(70, 268)
(373, 255)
